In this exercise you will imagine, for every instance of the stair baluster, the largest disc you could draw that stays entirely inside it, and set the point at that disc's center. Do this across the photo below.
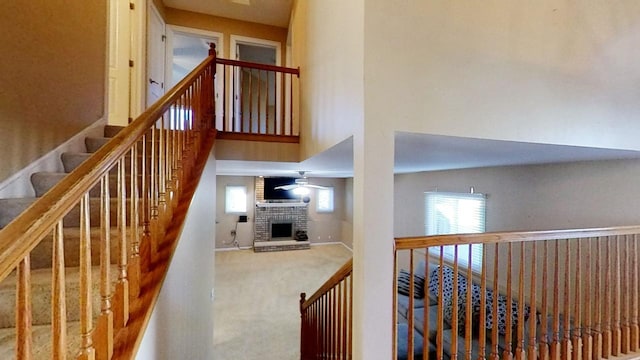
(134, 259)
(58, 296)
(87, 351)
(103, 336)
(23, 310)
(121, 295)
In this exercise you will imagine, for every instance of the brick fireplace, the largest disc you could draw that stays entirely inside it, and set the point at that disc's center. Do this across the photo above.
(270, 216)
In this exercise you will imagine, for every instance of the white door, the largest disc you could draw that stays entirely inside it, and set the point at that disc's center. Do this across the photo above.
(186, 49)
(119, 46)
(155, 57)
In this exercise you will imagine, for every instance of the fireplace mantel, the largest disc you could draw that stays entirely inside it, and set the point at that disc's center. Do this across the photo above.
(284, 204)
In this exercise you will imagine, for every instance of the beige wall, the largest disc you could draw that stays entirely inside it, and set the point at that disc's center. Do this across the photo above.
(227, 27)
(256, 151)
(552, 71)
(539, 197)
(52, 72)
(327, 42)
(322, 227)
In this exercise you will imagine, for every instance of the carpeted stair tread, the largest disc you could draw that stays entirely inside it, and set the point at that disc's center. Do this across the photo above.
(112, 130)
(44, 181)
(11, 208)
(71, 160)
(41, 254)
(41, 335)
(94, 143)
(41, 295)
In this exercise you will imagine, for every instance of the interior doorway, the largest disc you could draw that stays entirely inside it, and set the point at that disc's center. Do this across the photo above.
(249, 115)
(187, 48)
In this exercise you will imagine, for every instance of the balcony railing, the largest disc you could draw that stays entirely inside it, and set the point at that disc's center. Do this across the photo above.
(569, 294)
(256, 101)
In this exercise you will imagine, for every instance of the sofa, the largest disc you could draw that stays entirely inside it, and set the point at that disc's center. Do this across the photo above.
(427, 300)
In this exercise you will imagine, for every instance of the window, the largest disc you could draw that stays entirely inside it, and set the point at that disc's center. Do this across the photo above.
(236, 199)
(324, 201)
(456, 213)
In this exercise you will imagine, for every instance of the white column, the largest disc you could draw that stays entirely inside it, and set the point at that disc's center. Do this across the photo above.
(373, 242)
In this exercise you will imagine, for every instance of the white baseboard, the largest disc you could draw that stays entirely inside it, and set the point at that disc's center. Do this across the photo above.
(19, 184)
(333, 243)
(235, 248)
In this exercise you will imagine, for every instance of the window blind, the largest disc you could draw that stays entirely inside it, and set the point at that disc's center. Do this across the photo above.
(456, 213)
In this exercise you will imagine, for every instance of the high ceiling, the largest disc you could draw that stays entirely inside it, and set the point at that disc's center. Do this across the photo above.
(269, 12)
(414, 152)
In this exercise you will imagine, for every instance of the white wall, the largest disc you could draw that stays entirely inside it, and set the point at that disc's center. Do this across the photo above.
(181, 326)
(539, 197)
(552, 71)
(327, 40)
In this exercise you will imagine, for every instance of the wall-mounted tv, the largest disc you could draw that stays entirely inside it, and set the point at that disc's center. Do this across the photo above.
(270, 193)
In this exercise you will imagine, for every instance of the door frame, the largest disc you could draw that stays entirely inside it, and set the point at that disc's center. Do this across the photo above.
(238, 39)
(118, 56)
(172, 30)
(153, 11)
(138, 77)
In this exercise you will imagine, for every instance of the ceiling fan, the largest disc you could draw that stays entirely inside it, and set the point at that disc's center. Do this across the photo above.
(301, 185)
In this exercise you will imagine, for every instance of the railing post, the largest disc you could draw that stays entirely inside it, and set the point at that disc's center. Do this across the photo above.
(211, 99)
(303, 332)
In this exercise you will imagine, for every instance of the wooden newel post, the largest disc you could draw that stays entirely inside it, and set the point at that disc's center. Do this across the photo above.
(303, 333)
(212, 109)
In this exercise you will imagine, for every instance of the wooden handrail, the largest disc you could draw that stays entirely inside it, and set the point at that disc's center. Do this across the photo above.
(416, 242)
(342, 273)
(250, 65)
(22, 235)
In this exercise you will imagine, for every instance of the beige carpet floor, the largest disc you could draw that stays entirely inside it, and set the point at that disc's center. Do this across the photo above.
(256, 304)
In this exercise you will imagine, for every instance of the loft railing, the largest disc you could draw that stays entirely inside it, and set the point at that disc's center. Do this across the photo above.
(145, 172)
(326, 318)
(256, 101)
(570, 294)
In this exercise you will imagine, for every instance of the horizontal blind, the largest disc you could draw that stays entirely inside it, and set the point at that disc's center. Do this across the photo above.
(456, 213)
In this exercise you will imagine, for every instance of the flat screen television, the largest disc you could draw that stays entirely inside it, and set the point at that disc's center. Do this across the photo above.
(270, 193)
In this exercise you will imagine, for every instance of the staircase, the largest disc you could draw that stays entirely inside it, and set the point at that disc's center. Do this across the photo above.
(82, 263)
(41, 260)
